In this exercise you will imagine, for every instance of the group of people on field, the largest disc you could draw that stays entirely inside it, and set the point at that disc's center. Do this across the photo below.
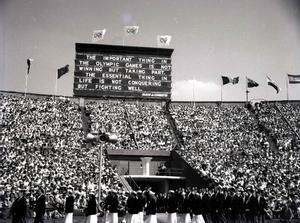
(190, 205)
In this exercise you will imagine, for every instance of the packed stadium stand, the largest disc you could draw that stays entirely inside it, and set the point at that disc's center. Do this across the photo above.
(142, 126)
(221, 141)
(281, 122)
(42, 144)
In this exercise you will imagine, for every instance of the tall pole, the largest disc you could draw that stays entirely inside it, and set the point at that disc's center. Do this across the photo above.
(100, 174)
(124, 35)
(287, 88)
(267, 95)
(26, 81)
(56, 87)
(221, 92)
(247, 92)
(194, 94)
(55, 93)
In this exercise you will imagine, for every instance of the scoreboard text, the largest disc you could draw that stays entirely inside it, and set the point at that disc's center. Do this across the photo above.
(123, 74)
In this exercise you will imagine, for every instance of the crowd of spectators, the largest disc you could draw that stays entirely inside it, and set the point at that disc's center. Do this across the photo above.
(225, 143)
(151, 126)
(42, 145)
(291, 111)
(142, 126)
(275, 118)
(110, 116)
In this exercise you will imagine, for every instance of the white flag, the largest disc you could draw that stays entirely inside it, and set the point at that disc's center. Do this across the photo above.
(131, 30)
(163, 40)
(98, 35)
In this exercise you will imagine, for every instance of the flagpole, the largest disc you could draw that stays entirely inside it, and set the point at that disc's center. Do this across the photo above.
(221, 92)
(247, 92)
(194, 94)
(287, 88)
(56, 85)
(124, 35)
(26, 82)
(267, 98)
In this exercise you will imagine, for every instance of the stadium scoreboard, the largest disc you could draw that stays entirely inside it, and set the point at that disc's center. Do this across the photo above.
(122, 71)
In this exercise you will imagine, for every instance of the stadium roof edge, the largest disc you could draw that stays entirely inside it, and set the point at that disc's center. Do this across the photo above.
(183, 102)
(34, 94)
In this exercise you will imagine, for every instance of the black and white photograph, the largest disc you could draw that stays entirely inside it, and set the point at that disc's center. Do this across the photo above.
(149, 111)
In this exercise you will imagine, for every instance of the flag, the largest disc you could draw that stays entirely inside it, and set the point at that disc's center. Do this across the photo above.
(232, 80)
(235, 80)
(62, 71)
(131, 30)
(226, 80)
(294, 79)
(273, 84)
(98, 35)
(163, 40)
(29, 60)
(251, 83)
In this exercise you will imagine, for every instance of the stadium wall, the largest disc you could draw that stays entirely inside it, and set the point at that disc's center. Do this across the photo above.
(139, 100)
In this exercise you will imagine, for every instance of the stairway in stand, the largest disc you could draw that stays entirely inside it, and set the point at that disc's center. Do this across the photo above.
(125, 183)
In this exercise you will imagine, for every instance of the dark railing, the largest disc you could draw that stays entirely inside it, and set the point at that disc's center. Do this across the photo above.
(287, 122)
(170, 172)
(125, 183)
(132, 183)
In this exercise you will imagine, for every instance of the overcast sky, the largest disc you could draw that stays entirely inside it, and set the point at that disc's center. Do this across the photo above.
(210, 38)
